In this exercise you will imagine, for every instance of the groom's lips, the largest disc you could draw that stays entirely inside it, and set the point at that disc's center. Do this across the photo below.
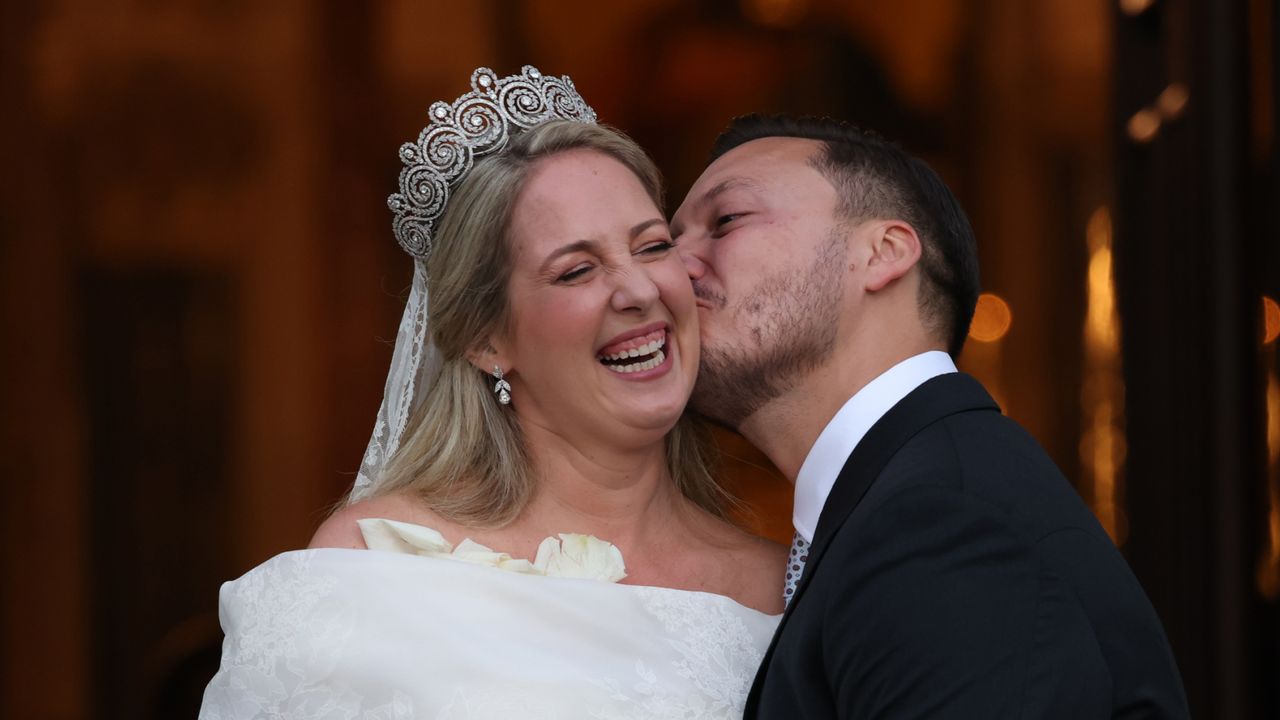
(705, 298)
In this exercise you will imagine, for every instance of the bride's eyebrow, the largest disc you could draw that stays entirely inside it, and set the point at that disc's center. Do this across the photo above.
(590, 246)
(641, 227)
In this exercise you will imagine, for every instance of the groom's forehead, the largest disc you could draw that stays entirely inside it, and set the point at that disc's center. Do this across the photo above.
(752, 166)
(774, 148)
(725, 185)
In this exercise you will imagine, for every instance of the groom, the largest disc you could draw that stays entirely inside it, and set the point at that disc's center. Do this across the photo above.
(945, 567)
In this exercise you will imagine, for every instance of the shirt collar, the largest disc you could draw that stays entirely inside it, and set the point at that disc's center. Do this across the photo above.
(843, 433)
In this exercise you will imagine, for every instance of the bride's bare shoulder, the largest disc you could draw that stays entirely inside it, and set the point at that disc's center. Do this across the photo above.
(759, 555)
(756, 566)
(340, 530)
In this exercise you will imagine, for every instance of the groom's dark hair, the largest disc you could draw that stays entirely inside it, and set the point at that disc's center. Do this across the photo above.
(876, 178)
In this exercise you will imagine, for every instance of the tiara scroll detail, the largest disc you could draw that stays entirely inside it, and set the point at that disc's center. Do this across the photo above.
(476, 124)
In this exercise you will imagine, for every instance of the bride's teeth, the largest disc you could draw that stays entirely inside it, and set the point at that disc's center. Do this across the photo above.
(646, 349)
(658, 358)
(653, 348)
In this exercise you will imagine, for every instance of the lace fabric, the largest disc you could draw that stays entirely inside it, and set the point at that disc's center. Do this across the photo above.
(413, 362)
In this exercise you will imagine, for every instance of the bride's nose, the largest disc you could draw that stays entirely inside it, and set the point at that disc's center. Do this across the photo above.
(634, 291)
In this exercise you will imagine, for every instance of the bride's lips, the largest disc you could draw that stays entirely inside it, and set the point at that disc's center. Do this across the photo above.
(621, 338)
(641, 353)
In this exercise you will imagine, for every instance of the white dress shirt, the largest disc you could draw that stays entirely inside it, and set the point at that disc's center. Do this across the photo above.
(838, 439)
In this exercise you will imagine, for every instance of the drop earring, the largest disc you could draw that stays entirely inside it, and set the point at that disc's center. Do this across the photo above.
(502, 388)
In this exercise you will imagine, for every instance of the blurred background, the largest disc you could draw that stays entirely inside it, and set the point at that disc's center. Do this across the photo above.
(199, 287)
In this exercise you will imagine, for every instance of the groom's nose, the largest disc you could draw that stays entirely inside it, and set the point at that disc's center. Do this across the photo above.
(690, 254)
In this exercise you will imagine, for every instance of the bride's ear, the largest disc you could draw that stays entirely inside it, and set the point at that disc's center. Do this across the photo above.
(488, 355)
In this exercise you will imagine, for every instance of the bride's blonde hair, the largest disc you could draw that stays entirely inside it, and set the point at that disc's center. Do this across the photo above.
(463, 453)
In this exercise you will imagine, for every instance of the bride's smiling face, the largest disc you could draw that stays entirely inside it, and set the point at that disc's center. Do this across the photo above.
(602, 340)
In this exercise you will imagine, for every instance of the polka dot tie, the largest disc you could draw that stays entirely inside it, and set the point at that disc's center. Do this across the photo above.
(795, 566)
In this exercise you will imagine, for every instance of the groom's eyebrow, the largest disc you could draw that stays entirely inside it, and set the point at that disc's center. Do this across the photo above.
(727, 185)
(716, 191)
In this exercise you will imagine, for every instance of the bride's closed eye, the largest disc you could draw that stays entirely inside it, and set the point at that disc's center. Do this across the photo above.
(657, 248)
(577, 272)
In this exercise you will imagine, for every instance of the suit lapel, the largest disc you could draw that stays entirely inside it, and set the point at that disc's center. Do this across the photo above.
(934, 400)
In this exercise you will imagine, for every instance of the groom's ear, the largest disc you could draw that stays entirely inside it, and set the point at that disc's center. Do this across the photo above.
(895, 249)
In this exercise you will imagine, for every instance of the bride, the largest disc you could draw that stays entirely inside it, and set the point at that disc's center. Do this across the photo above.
(534, 532)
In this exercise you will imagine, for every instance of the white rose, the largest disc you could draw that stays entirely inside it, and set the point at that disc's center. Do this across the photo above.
(572, 555)
(580, 556)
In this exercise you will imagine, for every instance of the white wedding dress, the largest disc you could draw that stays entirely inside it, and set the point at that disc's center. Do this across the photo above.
(333, 633)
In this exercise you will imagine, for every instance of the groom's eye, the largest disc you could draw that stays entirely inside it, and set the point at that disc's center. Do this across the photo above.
(726, 219)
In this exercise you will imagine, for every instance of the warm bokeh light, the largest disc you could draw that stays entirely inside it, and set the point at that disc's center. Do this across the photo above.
(1102, 443)
(1144, 125)
(1134, 8)
(991, 318)
(776, 13)
(1173, 100)
(1270, 320)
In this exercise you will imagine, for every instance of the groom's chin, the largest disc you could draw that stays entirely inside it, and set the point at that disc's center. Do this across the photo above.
(702, 401)
(701, 404)
(718, 399)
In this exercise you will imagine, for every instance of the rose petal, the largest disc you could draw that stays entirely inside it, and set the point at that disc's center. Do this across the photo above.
(394, 536)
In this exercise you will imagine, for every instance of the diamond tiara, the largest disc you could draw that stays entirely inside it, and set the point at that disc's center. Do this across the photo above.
(476, 124)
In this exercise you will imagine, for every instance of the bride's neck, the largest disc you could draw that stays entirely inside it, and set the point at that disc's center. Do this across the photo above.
(624, 496)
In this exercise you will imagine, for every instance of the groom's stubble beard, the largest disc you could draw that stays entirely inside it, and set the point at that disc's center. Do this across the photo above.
(790, 321)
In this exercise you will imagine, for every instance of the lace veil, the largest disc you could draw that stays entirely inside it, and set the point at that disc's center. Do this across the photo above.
(413, 363)
(478, 123)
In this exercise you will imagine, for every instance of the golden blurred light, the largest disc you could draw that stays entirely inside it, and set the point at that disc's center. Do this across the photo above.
(1101, 325)
(1273, 425)
(991, 318)
(1102, 442)
(775, 13)
(1270, 320)
(1268, 575)
(1173, 100)
(1144, 125)
(1097, 234)
(1133, 8)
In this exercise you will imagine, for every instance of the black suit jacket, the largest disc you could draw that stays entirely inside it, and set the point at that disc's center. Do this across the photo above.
(955, 573)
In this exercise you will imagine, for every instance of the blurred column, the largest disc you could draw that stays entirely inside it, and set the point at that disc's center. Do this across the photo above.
(1030, 185)
(44, 640)
(1188, 244)
(363, 270)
